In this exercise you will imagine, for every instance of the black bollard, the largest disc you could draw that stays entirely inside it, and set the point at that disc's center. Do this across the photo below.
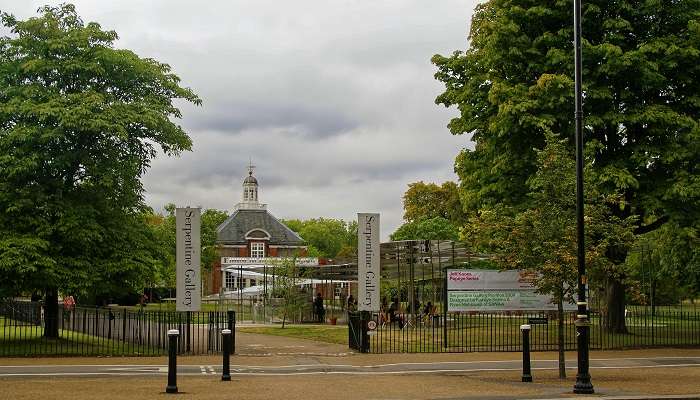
(226, 336)
(231, 316)
(527, 374)
(172, 361)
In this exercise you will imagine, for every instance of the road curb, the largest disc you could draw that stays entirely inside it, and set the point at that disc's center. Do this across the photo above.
(642, 397)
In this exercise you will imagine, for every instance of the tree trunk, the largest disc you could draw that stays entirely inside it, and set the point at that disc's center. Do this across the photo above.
(614, 321)
(51, 313)
(560, 338)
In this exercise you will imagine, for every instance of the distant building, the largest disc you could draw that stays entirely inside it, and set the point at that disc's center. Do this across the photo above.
(249, 239)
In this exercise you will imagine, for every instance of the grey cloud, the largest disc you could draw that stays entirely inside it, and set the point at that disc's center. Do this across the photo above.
(235, 117)
(334, 101)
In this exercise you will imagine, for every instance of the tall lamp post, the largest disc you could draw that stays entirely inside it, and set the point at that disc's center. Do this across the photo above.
(583, 377)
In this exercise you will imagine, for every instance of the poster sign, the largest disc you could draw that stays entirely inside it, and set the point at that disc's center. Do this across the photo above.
(489, 290)
(498, 300)
(188, 258)
(481, 279)
(368, 262)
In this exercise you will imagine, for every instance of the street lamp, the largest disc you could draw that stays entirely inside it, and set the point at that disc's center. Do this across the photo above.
(583, 377)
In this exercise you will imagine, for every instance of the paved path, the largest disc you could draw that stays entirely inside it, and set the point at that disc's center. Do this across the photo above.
(337, 368)
(253, 344)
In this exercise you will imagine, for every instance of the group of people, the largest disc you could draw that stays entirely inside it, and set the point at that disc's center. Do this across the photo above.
(319, 309)
(394, 313)
(388, 313)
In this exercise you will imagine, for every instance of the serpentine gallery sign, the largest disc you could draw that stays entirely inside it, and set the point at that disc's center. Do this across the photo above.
(368, 262)
(188, 258)
(488, 290)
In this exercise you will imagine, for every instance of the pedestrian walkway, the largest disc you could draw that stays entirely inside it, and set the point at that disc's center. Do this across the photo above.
(289, 368)
(257, 345)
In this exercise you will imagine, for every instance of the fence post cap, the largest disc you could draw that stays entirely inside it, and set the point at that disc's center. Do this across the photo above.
(525, 327)
(173, 332)
(225, 331)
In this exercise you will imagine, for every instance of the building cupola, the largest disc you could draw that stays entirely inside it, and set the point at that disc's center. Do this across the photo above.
(250, 192)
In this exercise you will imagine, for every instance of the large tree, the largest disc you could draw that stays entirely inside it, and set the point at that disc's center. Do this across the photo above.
(429, 200)
(641, 82)
(542, 236)
(431, 212)
(80, 122)
(437, 228)
(326, 237)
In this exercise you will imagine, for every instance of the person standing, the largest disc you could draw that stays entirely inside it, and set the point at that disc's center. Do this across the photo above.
(351, 303)
(318, 307)
(68, 303)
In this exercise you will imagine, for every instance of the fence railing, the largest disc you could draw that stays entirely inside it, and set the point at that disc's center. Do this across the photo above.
(106, 331)
(271, 311)
(471, 332)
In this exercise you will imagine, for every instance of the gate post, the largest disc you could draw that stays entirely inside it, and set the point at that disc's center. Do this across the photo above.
(364, 336)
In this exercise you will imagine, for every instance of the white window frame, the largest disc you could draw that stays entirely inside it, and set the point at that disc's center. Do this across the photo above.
(257, 250)
(230, 280)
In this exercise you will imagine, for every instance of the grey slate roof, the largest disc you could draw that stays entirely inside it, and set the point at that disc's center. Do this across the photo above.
(233, 230)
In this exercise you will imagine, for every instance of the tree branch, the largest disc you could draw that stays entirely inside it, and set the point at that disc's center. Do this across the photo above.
(651, 227)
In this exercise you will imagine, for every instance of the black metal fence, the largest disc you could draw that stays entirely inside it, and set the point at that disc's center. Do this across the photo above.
(471, 332)
(108, 331)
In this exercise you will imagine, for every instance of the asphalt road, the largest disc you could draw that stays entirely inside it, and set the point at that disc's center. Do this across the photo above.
(28, 371)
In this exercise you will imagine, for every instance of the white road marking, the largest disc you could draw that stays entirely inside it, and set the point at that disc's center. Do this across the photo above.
(336, 372)
(342, 365)
(136, 370)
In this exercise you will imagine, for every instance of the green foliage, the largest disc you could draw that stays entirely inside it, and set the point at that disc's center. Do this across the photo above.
(79, 125)
(163, 228)
(641, 81)
(437, 228)
(326, 237)
(641, 86)
(542, 236)
(666, 265)
(431, 212)
(288, 277)
(427, 201)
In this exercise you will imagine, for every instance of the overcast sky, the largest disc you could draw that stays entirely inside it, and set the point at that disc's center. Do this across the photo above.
(332, 100)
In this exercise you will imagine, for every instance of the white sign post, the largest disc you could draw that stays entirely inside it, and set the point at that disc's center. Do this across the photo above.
(368, 262)
(188, 258)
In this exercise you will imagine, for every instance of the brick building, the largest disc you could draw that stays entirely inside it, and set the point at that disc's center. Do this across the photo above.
(249, 238)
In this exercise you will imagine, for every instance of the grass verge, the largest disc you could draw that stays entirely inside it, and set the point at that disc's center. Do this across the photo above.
(328, 334)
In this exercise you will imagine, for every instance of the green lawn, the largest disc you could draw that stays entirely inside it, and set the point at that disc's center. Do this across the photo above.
(501, 333)
(325, 333)
(20, 339)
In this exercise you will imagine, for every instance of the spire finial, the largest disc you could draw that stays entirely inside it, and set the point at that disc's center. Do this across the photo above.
(250, 167)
